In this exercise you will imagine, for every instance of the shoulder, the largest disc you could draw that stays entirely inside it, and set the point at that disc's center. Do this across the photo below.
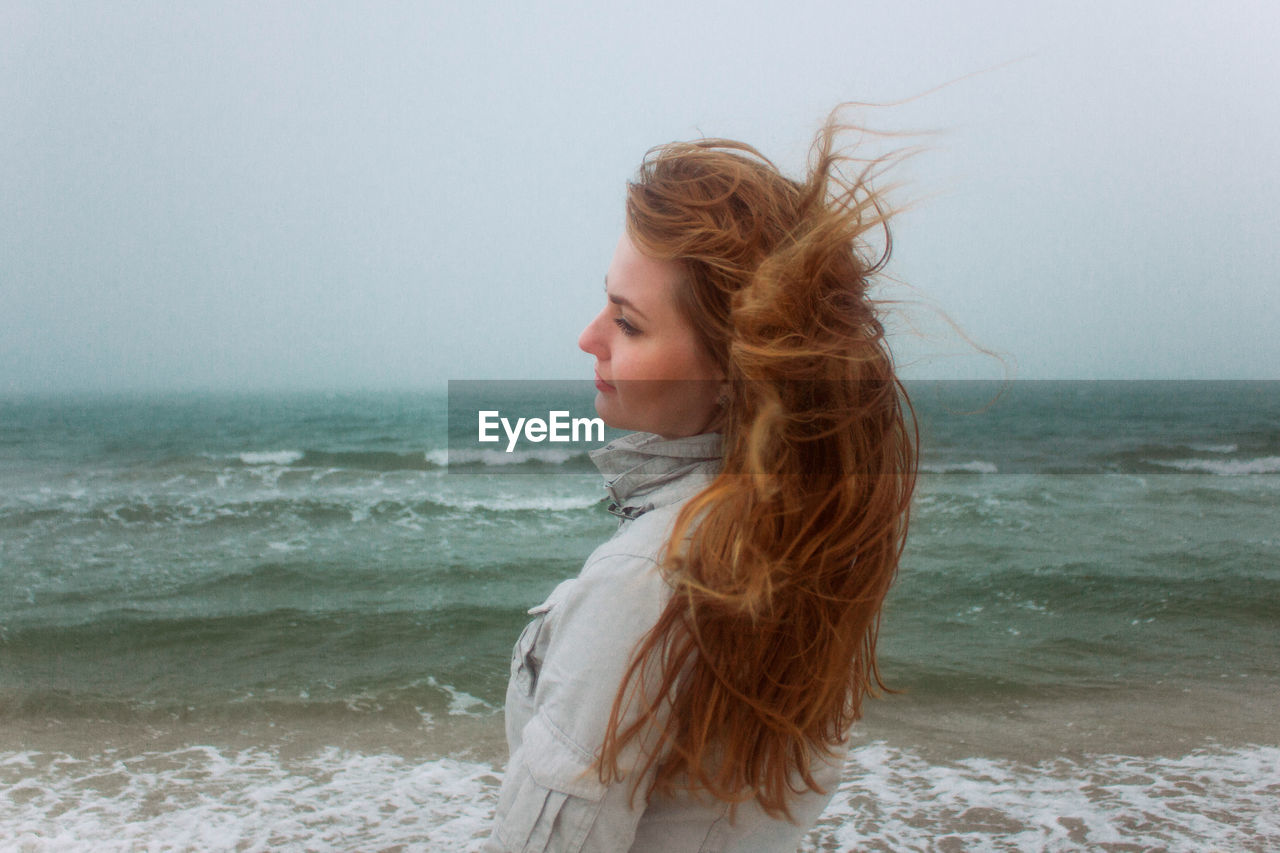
(594, 624)
(642, 539)
(626, 570)
(621, 590)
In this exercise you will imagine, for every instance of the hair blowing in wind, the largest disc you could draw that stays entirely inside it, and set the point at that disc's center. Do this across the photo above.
(780, 566)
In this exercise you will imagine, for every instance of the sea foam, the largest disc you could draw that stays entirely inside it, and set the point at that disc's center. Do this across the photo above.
(1214, 448)
(1226, 467)
(203, 798)
(522, 502)
(502, 458)
(271, 457)
(891, 798)
(977, 466)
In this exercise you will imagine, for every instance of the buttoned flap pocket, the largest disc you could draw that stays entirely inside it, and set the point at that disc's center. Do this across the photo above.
(553, 793)
(529, 650)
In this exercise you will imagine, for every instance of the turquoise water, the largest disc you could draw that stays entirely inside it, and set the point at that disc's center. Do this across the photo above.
(249, 571)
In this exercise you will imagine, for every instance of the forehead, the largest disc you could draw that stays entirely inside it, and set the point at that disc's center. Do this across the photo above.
(640, 279)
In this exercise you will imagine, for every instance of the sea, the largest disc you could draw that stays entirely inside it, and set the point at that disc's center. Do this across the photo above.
(261, 622)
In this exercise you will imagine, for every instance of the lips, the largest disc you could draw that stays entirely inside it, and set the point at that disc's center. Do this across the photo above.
(601, 385)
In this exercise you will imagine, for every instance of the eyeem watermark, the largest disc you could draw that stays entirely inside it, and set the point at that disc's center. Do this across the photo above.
(969, 428)
(558, 427)
(524, 426)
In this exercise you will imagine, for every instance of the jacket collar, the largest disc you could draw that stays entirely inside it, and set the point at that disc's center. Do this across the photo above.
(643, 471)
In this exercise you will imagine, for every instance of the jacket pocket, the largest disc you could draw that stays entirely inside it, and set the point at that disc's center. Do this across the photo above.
(551, 796)
(527, 655)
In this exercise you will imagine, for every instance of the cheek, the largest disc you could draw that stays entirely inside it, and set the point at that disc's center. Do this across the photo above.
(660, 360)
(631, 361)
(691, 363)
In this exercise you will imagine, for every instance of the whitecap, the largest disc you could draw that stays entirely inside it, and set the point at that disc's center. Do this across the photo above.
(977, 466)
(1225, 467)
(548, 456)
(271, 457)
(515, 503)
(463, 703)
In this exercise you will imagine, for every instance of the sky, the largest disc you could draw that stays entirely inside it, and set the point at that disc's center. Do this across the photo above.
(334, 196)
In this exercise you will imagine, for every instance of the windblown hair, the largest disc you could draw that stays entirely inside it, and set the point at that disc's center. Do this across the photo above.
(764, 653)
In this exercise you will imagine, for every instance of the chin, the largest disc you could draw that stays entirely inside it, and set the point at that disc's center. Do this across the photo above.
(605, 409)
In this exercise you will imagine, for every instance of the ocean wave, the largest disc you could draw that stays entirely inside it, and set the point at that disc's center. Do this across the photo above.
(516, 457)
(521, 502)
(312, 458)
(196, 512)
(1219, 493)
(1224, 467)
(256, 630)
(462, 703)
(554, 458)
(367, 460)
(977, 466)
(21, 516)
(271, 457)
(428, 460)
(205, 798)
(893, 799)
(890, 798)
(314, 511)
(412, 707)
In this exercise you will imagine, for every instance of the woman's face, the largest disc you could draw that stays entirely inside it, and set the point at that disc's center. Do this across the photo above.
(651, 373)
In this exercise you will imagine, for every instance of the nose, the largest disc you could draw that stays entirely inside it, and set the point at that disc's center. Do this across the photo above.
(592, 340)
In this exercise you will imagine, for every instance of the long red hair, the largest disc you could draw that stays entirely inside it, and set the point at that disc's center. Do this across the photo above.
(764, 653)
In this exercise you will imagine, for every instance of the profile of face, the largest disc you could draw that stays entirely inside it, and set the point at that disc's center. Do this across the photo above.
(652, 375)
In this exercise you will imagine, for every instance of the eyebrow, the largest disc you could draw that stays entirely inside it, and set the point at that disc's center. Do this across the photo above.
(623, 301)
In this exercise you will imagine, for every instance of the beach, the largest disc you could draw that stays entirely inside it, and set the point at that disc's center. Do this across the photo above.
(283, 622)
(919, 778)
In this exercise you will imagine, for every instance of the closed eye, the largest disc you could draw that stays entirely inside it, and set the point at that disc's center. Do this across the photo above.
(627, 328)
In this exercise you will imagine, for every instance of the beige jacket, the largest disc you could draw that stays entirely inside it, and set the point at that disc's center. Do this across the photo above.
(566, 669)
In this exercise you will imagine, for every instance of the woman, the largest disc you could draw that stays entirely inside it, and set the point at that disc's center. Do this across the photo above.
(693, 687)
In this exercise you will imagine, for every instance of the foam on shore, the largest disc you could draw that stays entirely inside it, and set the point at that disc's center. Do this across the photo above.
(207, 798)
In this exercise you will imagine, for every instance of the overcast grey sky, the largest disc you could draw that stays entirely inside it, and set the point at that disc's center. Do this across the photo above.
(316, 195)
